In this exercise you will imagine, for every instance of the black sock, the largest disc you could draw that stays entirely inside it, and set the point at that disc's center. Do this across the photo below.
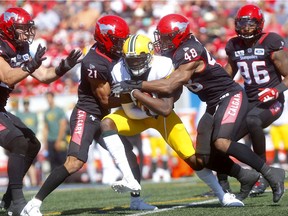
(222, 177)
(137, 176)
(235, 170)
(56, 178)
(244, 154)
(15, 173)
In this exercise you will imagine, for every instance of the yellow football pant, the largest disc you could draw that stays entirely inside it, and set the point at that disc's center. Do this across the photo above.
(171, 128)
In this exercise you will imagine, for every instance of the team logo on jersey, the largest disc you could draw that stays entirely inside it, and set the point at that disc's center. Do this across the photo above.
(239, 53)
(180, 25)
(259, 51)
(25, 57)
(91, 66)
(185, 49)
(105, 28)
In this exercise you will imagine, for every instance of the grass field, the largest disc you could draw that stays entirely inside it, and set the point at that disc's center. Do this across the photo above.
(179, 197)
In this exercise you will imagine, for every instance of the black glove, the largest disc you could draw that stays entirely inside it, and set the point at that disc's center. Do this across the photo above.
(125, 87)
(68, 63)
(36, 62)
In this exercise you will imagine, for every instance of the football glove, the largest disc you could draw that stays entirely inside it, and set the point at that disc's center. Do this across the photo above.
(268, 94)
(36, 61)
(126, 86)
(68, 63)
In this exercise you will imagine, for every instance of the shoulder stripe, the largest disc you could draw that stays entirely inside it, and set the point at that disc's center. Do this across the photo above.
(263, 37)
(104, 56)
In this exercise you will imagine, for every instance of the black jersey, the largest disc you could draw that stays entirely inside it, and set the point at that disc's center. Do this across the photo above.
(255, 64)
(210, 84)
(95, 65)
(14, 57)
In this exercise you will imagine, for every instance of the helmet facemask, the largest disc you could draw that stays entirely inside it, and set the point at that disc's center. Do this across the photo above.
(23, 32)
(137, 65)
(247, 28)
(117, 42)
(164, 42)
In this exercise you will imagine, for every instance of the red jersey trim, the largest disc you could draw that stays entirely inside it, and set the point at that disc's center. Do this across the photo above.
(79, 127)
(263, 37)
(233, 108)
(104, 56)
(2, 127)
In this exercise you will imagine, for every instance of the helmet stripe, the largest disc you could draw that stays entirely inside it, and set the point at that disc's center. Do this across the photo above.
(131, 45)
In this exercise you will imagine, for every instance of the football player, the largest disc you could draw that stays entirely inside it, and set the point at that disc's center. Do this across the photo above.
(92, 105)
(261, 60)
(17, 31)
(226, 100)
(137, 115)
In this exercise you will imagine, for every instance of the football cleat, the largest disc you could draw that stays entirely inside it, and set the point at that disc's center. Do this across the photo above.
(5, 202)
(275, 178)
(32, 208)
(230, 200)
(259, 187)
(124, 186)
(137, 203)
(247, 179)
(16, 208)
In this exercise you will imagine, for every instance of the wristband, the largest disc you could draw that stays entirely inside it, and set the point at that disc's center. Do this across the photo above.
(281, 87)
(134, 100)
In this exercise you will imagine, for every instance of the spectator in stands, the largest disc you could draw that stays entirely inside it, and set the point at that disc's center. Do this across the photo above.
(31, 120)
(54, 133)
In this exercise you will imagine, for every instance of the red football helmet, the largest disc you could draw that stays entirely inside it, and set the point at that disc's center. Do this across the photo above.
(249, 22)
(17, 25)
(170, 32)
(111, 31)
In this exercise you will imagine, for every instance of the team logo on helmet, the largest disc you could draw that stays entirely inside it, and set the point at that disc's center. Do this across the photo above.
(105, 28)
(150, 46)
(180, 25)
(8, 16)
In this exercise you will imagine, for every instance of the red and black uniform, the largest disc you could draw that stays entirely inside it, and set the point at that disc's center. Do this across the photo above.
(225, 98)
(11, 126)
(19, 140)
(258, 71)
(87, 114)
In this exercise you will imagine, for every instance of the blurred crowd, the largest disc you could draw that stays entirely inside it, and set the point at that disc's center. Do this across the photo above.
(63, 25)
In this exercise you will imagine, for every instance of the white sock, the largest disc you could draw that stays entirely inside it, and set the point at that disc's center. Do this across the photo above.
(117, 151)
(210, 179)
(37, 202)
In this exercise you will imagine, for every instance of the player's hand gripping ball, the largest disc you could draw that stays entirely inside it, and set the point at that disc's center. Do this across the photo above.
(141, 106)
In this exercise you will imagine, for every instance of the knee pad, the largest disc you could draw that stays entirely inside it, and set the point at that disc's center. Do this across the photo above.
(204, 133)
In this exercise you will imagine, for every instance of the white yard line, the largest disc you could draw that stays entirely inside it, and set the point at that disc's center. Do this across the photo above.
(175, 207)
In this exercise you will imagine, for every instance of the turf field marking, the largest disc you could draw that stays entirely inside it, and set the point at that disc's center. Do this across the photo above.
(175, 207)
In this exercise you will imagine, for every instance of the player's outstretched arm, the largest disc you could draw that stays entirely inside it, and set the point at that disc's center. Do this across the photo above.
(48, 75)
